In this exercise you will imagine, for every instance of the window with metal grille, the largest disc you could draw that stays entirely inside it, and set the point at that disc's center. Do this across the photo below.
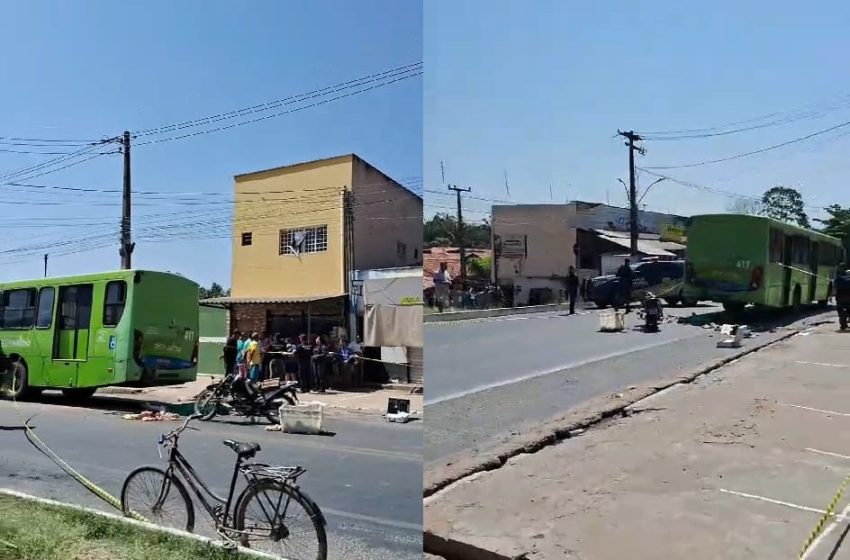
(304, 240)
(247, 238)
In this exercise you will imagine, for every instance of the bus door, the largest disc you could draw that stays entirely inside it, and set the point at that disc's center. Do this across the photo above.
(71, 338)
(786, 269)
(814, 257)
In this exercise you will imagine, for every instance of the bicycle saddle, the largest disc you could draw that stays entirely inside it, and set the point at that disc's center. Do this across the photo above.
(245, 450)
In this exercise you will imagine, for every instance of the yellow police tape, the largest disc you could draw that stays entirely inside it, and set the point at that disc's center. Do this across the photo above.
(32, 437)
(830, 511)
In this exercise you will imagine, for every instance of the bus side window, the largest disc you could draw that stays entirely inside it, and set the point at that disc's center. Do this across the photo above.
(18, 309)
(113, 307)
(777, 242)
(44, 313)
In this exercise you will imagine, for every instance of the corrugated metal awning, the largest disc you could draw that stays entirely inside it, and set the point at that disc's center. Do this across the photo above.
(223, 301)
(652, 247)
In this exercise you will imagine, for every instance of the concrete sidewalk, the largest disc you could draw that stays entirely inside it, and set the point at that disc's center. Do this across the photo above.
(367, 401)
(740, 463)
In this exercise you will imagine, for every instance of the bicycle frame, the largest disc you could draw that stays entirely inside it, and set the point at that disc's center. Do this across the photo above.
(177, 462)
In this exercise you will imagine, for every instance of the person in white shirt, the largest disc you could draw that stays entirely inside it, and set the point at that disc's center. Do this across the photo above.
(442, 286)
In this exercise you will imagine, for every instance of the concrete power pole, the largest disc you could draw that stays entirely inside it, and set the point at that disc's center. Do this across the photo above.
(127, 244)
(460, 239)
(631, 138)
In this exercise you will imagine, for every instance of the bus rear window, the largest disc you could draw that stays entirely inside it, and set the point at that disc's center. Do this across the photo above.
(18, 309)
(113, 307)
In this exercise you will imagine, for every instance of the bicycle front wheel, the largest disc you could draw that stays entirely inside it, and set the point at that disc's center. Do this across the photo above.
(276, 518)
(159, 498)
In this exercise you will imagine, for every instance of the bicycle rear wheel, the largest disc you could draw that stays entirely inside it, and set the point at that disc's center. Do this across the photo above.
(206, 404)
(141, 495)
(274, 517)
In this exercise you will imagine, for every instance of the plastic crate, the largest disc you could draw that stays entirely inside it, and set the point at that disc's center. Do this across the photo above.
(612, 321)
(305, 418)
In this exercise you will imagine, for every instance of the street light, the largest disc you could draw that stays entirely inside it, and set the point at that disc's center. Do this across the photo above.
(650, 186)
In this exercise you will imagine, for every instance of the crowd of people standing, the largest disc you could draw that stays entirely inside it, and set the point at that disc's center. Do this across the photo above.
(259, 356)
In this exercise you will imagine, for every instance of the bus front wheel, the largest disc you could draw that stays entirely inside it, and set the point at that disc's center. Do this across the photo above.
(80, 394)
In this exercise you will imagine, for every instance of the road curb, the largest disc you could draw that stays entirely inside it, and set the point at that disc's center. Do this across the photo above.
(487, 313)
(450, 549)
(139, 524)
(455, 468)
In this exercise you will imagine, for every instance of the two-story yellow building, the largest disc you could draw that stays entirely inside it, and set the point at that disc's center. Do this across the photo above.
(298, 232)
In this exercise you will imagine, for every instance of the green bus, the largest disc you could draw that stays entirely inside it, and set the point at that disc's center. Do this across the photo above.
(132, 327)
(737, 259)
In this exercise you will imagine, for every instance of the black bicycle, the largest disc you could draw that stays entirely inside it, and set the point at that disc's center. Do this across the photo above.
(271, 514)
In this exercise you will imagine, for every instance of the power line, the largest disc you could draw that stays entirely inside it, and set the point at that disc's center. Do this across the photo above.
(282, 113)
(754, 152)
(714, 190)
(793, 115)
(393, 72)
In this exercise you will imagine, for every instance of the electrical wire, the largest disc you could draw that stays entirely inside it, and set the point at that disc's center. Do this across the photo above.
(393, 72)
(754, 152)
(800, 114)
(282, 113)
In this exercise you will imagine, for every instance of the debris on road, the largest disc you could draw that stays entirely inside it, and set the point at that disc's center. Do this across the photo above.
(152, 416)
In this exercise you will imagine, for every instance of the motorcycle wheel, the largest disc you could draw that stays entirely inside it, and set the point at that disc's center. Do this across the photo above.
(206, 404)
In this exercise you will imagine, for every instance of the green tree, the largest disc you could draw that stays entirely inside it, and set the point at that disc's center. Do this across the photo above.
(214, 291)
(441, 230)
(785, 204)
(480, 268)
(837, 224)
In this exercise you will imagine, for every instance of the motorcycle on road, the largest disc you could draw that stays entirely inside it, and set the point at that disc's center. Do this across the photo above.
(240, 396)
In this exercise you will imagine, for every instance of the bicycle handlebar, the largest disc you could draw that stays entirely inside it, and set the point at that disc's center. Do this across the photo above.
(177, 431)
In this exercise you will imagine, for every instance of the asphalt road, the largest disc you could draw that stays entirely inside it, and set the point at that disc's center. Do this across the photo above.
(487, 378)
(367, 478)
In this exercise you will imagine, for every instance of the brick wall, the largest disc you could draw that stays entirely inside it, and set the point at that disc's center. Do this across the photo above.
(252, 317)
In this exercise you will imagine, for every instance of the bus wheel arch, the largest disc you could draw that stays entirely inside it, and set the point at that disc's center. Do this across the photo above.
(20, 379)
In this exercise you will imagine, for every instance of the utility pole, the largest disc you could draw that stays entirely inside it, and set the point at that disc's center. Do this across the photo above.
(45, 265)
(127, 244)
(348, 253)
(460, 239)
(631, 138)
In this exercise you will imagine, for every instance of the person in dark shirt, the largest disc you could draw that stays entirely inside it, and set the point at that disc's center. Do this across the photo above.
(229, 353)
(626, 276)
(304, 353)
(320, 360)
(572, 289)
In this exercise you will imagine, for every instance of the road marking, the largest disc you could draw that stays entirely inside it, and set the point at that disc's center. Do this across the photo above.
(772, 501)
(830, 412)
(376, 520)
(830, 453)
(556, 369)
(822, 364)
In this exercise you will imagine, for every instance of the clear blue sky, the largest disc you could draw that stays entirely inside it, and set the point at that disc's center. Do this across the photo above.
(539, 89)
(80, 70)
